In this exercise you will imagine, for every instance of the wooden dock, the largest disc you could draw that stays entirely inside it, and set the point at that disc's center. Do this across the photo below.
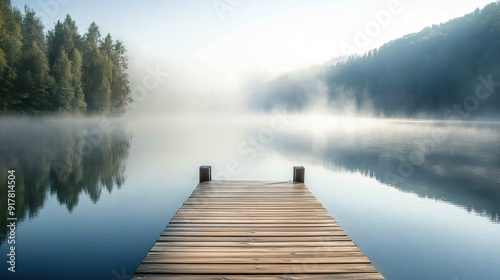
(254, 230)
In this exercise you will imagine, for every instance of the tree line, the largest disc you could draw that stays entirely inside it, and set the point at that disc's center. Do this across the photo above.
(60, 71)
(428, 72)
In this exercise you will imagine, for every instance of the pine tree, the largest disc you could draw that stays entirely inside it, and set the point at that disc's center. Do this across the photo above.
(33, 74)
(120, 91)
(79, 106)
(64, 94)
(90, 64)
(34, 81)
(10, 44)
(64, 36)
(106, 72)
(97, 73)
(4, 10)
(32, 29)
(120, 88)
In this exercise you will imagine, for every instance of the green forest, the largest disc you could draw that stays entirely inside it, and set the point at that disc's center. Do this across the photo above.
(425, 73)
(60, 71)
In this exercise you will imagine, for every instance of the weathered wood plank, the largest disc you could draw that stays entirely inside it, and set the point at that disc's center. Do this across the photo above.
(253, 225)
(337, 276)
(254, 230)
(341, 243)
(253, 260)
(254, 268)
(252, 239)
(272, 227)
(255, 233)
(259, 250)
(255, 214)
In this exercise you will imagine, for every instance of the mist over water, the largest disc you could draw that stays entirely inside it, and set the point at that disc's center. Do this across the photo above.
(410, 182)
(252, 94)
(142, 167)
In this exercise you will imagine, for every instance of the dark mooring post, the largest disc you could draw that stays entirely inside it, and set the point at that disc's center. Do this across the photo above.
(205, 173)
(298, 174)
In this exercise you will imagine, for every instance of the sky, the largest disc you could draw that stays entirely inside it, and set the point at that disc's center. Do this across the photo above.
(237, 34)
(205, 42)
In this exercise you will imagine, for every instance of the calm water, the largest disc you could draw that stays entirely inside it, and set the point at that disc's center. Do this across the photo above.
(421, 199)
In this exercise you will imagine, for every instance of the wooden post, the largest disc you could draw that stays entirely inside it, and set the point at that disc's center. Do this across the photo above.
(205, 173)
(298, 174)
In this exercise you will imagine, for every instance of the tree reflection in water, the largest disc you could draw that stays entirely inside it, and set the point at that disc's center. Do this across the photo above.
(463, 168)
(65, 158)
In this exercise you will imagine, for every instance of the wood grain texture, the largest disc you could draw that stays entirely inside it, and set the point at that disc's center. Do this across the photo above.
(254, 230)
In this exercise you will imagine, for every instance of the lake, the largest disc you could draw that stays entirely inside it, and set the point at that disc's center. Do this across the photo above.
(420, 198)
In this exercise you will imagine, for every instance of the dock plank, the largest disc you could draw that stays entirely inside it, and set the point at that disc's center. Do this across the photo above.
(343, 276)
(254, 230)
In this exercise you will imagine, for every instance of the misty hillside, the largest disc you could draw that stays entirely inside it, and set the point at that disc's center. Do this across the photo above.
(430, 72)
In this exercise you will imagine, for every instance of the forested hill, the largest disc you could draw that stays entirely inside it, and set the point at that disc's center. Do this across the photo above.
(61, 71)
(430, 72)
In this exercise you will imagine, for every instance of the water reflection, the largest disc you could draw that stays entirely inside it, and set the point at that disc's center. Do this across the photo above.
(459, 164)
(64, 158)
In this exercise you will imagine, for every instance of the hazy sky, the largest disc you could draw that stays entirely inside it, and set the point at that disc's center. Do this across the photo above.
(229, 35)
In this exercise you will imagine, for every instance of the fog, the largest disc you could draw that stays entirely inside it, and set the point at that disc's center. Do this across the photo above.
(182, 87)
(252, 94)
(223, 65)
(258, 90)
